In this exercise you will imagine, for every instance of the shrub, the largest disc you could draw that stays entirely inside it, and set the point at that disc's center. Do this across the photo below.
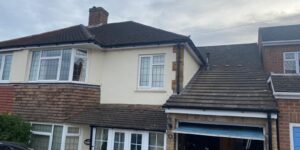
(14, 128)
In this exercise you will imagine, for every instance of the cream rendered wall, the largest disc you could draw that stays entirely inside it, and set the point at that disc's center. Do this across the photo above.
(120, 77)
(190, 67)
(95, 66)
(19, 66)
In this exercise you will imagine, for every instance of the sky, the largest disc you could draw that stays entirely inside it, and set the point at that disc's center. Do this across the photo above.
(207, 22)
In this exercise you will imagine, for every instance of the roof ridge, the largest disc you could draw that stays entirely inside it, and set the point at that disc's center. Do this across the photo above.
(41, 33)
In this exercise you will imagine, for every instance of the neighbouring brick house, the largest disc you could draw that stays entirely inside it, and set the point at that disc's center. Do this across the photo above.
(121, 86)
(281, 56)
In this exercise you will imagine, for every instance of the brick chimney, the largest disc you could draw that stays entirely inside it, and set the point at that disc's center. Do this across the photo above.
(98, 16)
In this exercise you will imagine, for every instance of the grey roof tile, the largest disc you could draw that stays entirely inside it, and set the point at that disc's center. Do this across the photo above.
(280, 33)
(286, 83)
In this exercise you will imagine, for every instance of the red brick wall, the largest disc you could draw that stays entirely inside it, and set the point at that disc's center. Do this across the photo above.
(6, 98)
(289, 113)
(273, 57)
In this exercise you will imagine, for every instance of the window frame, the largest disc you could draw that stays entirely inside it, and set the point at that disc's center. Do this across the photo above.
(292, 125)
(149, 86)
(64, 134)
(70, 77)
(156, 146)
(297, 59)
(2, 66)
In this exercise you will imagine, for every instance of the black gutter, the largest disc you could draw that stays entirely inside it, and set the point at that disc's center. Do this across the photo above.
(270, 131)
(91, 137)
(178, 55)
(277, 132)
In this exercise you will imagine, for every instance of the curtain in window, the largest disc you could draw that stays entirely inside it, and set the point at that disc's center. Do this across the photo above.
(101, 139)
(34, 65)
(65, 65)
(72, 143)
(144, 71)
(156, 141)
(40, 142)
(57, 137)
(7, 66)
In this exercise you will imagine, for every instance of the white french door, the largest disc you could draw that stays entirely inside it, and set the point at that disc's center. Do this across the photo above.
(127, 140)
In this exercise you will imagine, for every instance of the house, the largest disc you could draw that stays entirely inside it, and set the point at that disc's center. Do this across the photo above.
(128, 86)
(100, 86)
(280, 53)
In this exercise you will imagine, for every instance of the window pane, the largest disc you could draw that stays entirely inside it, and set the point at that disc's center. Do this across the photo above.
(79, 69)
(158, 59)
(39, 142)
(160, 139)
(290, 66)
(156, 141)
(65, 64)
(119, 141)
(136, 142)
(101, 139)
(157, 76)
(81, 53)
(41, 128)
(48, 69)
(7, 66)
(289, 55)
(57, 136)
(144, 71)
(73, 130)
(34, 65)
(72, 143)
(51, 53)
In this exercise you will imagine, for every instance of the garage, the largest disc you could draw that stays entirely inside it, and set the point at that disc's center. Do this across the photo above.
(194, 136)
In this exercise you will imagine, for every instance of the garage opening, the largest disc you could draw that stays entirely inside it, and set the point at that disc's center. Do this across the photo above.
(193, 136)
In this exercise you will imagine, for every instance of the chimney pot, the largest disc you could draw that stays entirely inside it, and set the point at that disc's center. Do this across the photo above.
(98, 16)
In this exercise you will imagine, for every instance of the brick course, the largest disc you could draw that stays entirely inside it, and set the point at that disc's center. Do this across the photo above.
(6, 98)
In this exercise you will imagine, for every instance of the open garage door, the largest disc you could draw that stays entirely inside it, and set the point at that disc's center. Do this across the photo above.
(192, 136)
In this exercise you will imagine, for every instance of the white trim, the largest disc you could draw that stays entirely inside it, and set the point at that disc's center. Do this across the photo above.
(292, 125)
(193, 54)
(296, 59)
(243, 114)
(283, 95)
(280, 42)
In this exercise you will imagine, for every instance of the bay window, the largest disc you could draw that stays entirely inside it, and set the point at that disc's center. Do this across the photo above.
(151, 71)
(58, 65)
(5, 66)
(292, 62)
(50, 137)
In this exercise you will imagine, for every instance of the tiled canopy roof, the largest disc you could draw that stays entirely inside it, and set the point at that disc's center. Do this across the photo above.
(286, 83)
(139, 117)
(235, 81)
(280, 33)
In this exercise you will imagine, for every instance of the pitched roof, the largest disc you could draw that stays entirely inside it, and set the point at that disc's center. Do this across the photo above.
(139, 117)
(280, 33)
(235, 81)
(108, 35)
(286, 83)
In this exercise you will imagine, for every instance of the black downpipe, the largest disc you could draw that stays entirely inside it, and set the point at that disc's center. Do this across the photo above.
(270, 131)
(277, 128)
(178, 54)
(91, 137)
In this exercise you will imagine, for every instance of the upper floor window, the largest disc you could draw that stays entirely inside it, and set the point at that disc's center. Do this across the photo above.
(151, 71)
(292, 62)
(58, 65)
(5, 65)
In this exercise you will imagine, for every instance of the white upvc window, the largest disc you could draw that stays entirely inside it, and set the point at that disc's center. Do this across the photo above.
(5, 67)
(291, 62)
(58, 65)
(54, 137)
(294, 136)
(115, 139)
(151, 71)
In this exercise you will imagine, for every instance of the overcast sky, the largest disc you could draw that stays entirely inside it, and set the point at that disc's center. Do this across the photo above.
(208, 22)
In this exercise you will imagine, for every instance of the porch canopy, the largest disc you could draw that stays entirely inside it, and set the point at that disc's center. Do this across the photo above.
(238, 132)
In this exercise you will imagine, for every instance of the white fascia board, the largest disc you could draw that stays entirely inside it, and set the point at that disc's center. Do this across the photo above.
(138, 47)
(286, 95)
(224, 113)
(279, 43)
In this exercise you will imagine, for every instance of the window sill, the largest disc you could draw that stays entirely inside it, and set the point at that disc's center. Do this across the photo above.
(151, 90)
